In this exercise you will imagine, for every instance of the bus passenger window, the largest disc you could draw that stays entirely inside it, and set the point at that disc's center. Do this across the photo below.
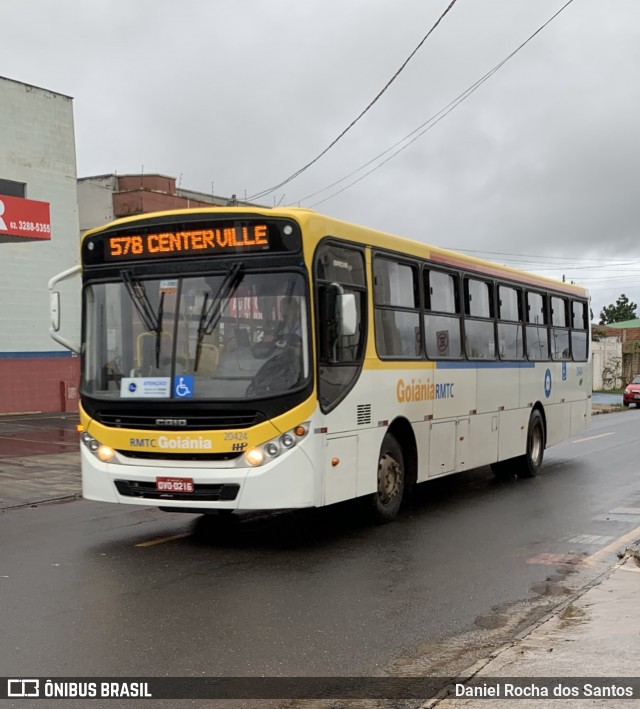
(537, 333)
(479, 328)
(442, 319)
(510, 334)
(560, 330)
(579, 342)
(397, 316)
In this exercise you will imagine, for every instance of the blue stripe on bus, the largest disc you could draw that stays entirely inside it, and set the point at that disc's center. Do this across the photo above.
(485, 365)
(34, 355)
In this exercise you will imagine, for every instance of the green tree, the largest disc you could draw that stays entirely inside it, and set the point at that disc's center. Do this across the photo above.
(623, 309)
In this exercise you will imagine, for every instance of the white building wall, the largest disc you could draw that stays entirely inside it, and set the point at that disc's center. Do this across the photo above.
(606, 354)
(95, 200)
(37, 147)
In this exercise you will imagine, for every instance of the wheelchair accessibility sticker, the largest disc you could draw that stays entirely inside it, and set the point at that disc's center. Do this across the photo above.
(183, 387)
(547, 383)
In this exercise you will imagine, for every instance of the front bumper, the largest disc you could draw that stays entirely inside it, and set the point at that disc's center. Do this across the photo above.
(288, 481)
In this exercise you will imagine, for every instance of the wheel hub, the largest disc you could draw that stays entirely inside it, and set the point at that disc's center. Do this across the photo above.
(389, 475)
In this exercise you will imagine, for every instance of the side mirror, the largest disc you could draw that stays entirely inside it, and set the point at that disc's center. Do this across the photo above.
(348, 314)
(339, 318)
(55, 309)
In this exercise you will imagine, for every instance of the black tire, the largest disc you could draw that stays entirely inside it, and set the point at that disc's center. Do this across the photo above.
(504, 469)
(385, 502)
(527, 465)
(624, 403)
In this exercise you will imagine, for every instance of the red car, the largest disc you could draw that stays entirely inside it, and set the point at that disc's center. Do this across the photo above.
(631, 393)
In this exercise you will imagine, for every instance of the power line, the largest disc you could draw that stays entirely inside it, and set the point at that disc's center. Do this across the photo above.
(431, 122)
(264, 193)
(536, 256)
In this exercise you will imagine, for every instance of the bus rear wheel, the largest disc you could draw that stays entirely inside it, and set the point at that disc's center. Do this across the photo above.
(531, 461)
(386, 500)
(527, 465)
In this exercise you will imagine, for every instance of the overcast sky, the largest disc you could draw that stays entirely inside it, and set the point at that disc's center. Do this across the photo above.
(539, 168)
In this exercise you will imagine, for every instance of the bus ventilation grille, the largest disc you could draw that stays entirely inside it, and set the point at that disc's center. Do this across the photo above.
(163, 420)
(364, 414)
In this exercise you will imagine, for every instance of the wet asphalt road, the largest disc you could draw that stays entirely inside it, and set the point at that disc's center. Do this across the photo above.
(313, 593)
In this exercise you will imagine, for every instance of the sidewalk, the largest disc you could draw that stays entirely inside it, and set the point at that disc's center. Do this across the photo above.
(595, 636)
(39, 459)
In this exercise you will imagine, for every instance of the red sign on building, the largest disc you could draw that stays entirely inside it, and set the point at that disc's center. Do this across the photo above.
(24, 218)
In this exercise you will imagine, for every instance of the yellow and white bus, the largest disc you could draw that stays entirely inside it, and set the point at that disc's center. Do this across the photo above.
(246, 358)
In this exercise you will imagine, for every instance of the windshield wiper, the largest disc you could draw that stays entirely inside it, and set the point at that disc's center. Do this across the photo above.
(159, 329)
(212, 310)
(150, 319)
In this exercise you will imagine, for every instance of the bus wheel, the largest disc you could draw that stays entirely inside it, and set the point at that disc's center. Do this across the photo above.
(529, 464)
(386, 501)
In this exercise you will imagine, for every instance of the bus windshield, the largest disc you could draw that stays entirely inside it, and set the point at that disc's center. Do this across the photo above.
(233, 335)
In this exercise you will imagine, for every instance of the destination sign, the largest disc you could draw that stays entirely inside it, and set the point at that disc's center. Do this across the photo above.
(253, 236)
(201, 238)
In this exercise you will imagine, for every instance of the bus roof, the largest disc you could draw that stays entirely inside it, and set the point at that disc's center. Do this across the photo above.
(317, 226)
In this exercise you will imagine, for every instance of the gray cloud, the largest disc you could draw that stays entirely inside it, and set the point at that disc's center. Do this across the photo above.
(541, 160)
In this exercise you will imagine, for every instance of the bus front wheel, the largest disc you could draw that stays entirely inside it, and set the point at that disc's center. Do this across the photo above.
(386, 500)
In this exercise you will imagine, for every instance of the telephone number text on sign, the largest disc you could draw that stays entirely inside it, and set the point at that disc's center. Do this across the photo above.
(189, 242)
(33, 226)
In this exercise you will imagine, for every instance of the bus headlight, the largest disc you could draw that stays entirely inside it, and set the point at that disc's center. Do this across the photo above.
(254, 457)
(276, 446)
(102, 452)
(105, 453)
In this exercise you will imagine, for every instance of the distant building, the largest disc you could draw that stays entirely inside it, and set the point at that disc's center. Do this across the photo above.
(43, 210)
(628, 333)
(38, 238)
(106, 197)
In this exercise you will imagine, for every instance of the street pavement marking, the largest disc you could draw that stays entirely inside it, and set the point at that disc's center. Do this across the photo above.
(592, 438)
(626, 511)
(163, 540)
(553, 559)
(590, 539)
(620, 542)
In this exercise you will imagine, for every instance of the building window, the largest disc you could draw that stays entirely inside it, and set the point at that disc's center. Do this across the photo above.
(10, 188)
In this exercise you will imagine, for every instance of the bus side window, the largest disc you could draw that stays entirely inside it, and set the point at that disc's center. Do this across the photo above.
(442, 316)
(579, 340)
(397, 309)
(510, 335)
(560, 329)
(537, 332)
(339, 271)
(479, 326)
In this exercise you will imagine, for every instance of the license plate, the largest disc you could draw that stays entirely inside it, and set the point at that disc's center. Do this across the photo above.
(174, 485)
